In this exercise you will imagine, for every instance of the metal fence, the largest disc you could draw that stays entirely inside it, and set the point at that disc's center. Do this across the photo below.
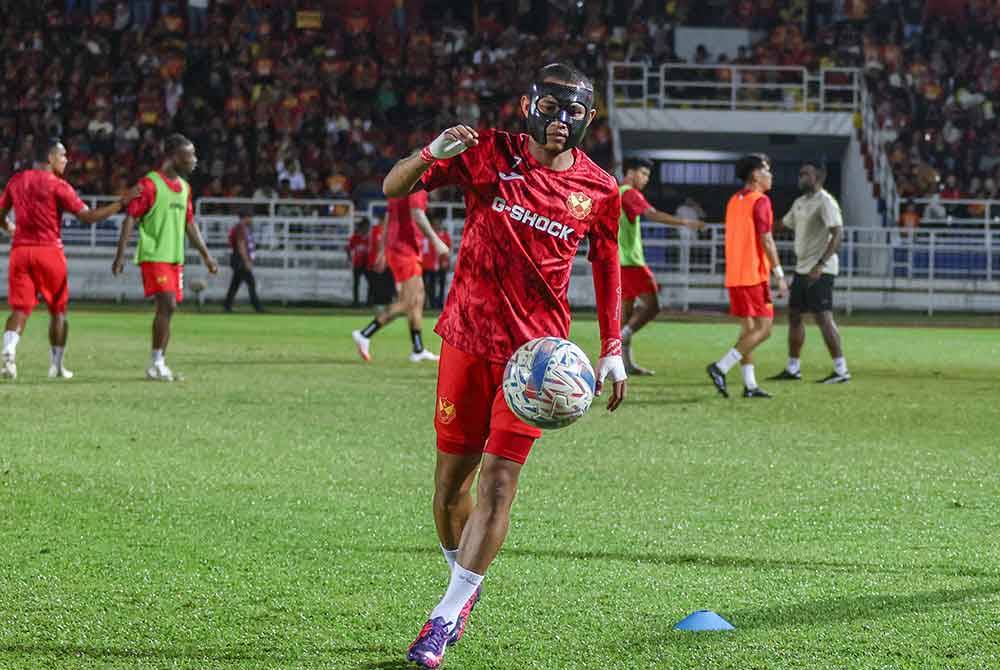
(732, 87)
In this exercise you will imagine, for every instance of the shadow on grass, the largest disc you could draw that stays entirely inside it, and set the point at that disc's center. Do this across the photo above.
(391, 664)
(712, 561)
(693, 400)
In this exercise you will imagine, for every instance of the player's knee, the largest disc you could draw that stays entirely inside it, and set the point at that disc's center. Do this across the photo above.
(497, 488)
(795, 319)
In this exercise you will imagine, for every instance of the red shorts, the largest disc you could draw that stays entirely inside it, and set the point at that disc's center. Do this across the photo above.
(163, 278)
(471, 415)
(404, 266)
(37, 271)
(751, 301)
(637, 280)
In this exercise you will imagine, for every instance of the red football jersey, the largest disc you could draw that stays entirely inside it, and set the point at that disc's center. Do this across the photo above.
(141, 205)
(402, 234)
(524, 223)
(357, 248)
(39, 199)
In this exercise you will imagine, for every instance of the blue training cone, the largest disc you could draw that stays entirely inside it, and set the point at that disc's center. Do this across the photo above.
(703, 620)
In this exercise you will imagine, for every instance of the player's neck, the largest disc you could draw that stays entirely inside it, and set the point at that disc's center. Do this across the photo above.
(168, 171)
(554, 160)
(754, 187)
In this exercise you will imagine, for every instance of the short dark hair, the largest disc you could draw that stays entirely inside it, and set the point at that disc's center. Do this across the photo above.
(363, 222)
(635, 163)
(564, 72)
(175, 142)
(746, 165)
(819, 168)
(45, 148)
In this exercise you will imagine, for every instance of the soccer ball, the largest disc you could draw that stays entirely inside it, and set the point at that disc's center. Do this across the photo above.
(549, 382)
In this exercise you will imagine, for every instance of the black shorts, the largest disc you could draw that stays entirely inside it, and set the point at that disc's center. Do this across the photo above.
(806, 295)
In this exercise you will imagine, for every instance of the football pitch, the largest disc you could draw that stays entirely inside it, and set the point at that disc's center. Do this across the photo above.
(273, 509)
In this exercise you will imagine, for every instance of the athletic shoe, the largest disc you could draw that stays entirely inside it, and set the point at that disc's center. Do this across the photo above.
(59, 372)
(364, 345)
(755, 393)
(636, 371)
(463, 617)
(427, 650)
(423, 356)
(9, 370)
(786, 376)
(834, 378)
(160, 372)
(718, 378)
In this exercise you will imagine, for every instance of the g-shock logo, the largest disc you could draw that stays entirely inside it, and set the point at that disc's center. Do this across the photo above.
(526, 216)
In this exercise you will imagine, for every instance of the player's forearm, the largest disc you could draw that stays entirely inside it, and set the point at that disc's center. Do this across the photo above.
(664, 218)
(771, 249)
(93, 216)
(404, 175)
(4, 223)
(244, 253)
(424, 224)
(124, 235)
(194, 235)
(608, 296)
(832, 246)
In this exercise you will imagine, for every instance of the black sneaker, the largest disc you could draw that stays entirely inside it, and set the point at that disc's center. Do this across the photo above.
(719, 379)
(834, 378)
(755, 393)
(637, 371)
(786, 376)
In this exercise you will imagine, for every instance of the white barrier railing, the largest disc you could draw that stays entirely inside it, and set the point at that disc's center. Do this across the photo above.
(732, 87)
(962, 213)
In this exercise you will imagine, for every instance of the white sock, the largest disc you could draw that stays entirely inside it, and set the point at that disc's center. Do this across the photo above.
(749, 378)
(793, 366)
(10, 339)
(727, 362)
(450, 555)
(463, 584)
(626, 332)
(56, 355)
(627, 355)
(157, 356)
(840, 365)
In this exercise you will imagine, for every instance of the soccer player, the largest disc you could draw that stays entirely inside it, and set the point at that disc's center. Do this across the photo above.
(531, 199)
(164, 214)
(357, 256)
(750, 256)
(39, 197)
(638, 283)
(435, 267)
(406, 216)
(818, 226)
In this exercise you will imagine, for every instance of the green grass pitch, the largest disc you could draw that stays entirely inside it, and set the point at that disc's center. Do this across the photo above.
(273, 510)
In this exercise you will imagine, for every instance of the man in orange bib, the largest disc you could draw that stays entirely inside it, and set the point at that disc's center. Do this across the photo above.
(750, 257)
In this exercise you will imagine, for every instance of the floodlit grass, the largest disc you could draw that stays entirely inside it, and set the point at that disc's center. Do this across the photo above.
(273, 510)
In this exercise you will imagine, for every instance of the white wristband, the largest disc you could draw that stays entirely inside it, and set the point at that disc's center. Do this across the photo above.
(779, 272)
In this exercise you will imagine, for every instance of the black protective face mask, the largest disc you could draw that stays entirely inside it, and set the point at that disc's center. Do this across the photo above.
(565, 96)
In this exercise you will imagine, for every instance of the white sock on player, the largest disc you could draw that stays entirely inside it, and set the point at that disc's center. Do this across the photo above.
(727, 362)
(56, 356)
(793, 366)
(626, 333)
(463, 584)
(157, 356)
(450, 555)
(10, 340)
(749, 378)
(840, 366)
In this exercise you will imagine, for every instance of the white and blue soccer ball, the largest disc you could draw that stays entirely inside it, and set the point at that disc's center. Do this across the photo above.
(548, 382)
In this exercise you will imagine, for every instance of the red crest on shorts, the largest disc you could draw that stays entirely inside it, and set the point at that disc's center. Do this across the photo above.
(579, 205)
(446, 410)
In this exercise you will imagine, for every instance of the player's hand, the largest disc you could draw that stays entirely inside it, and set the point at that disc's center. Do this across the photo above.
(694, 225)
(440, 248)
(117, 266)
(452, 142)
(816, 273)
(130, 195)
(614, 367)
(213, 267)
(782, 287)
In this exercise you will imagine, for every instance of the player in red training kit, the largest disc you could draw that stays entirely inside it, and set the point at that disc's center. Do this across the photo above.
(37, 263)
(400, 248)
(530, 200)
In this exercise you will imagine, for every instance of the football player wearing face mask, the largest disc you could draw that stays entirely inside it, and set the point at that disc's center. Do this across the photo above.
(531, 199)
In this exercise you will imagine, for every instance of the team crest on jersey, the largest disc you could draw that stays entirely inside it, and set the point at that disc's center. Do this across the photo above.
(446, 410)
(579, 205)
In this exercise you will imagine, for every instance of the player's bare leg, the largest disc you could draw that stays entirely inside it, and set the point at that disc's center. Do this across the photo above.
(409, 302)
(16, 322)
(58, 334)
(831, 336)
(166, 305)
(635, 318)
(753, 331)
(796, 339)
(453, 504)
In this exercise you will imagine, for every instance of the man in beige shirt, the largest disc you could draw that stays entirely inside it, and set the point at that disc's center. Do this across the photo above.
(816, 221)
